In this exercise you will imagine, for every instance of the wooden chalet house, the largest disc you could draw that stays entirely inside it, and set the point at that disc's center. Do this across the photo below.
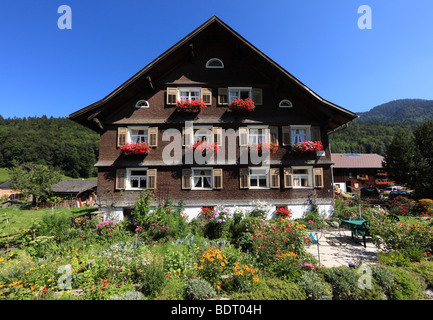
(222, 94)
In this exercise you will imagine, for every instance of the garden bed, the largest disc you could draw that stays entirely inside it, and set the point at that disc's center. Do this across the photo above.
(157, 254)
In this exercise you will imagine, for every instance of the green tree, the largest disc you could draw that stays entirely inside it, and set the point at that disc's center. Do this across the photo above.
(410, 159)
(34, 179)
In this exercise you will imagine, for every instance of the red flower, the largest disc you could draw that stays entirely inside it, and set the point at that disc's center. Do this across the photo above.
(187, 104)
(135, 148)
(308, 146)
(243, 104)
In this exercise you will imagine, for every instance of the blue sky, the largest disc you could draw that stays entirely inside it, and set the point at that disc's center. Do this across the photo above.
(48, 71)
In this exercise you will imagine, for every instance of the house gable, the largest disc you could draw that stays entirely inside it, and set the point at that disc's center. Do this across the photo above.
(184, 65)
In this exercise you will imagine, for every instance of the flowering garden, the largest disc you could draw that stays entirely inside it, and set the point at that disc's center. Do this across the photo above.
(156, 253)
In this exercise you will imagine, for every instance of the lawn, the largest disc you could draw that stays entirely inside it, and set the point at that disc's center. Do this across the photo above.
(156, 254)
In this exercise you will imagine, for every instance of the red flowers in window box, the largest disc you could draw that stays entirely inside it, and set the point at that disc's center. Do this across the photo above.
(138, 148)
(263, 146)
(308, 146)
(283, 212)
(246, 105)
(189, 105)
(204, 146)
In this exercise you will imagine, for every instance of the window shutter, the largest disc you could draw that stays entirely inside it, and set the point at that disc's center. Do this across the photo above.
(288, 178)
(315, 133)
(244, 178)
(275, 177)
(243, 136)
(120, 179)
(186, 178)
(318, 177)
(122, 132)
(217, 178)
(153, 136)
(218, 135)
(257, 96)
(187, 134)
(206, 95)
(223, 96)
(151, 178)
(287, 139)
(171, 96)
(273, 135)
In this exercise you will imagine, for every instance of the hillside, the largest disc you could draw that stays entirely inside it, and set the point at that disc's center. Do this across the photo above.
(56, 142)
(373, 131)
(400, 111)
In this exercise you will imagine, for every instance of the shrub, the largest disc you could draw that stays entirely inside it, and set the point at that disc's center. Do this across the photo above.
(393, 258)
(424, 270)
(409, 286)
(272, 289)
(154, 278)
(402, 206)
(211, 265)
(128, 295)
(344, 283)
(217, 222)
(385, 278)
(199, 289)
(260, 209)
(314, 286)
(287, 266)
(243, 278)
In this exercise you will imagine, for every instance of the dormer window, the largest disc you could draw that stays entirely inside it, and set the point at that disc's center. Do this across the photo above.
(214, 63)
(142, 104)
(285, 104)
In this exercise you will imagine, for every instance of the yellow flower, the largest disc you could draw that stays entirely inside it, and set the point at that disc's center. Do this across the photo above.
(256, 279)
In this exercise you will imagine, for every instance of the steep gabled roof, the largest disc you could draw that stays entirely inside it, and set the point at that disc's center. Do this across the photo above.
(90, 112)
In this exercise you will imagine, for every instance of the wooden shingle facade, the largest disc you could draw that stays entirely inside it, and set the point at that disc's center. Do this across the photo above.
(213, 66)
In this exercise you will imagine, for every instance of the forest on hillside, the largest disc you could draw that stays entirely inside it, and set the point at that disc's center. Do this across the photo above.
(373, 131)
(56, 142)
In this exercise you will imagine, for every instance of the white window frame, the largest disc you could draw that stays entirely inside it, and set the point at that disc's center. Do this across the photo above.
(142, 107)
(129, 176)
(193, 187)
(309, 176)
(209, 132)
(285, 101)
(265, 134)
(189, 90)
(239, 89)
(214, 67)
(307, 129)
(130, 128)
(251, 174)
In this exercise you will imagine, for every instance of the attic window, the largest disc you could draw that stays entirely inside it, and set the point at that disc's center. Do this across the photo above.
(285, 104)
(214, 63)
(142, 104)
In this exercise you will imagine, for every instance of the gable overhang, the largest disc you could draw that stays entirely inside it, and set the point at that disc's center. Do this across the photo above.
(338, 117)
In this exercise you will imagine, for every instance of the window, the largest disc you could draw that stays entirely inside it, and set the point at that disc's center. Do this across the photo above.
(259, 178)
(202, 179)
(203, 134)
(189, 93)
(239, 93)
(285, 104)
(142, 104)
(215, 63)
(138, 134)
(258, 134)
(299, 133)
(302, 177)
(136, 179)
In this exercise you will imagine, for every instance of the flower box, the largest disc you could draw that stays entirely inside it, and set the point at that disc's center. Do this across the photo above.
(133, 148)
(204, 146)
(320, 153)
(263, 146)
(187, 105)
(244, 105)
(308, 146)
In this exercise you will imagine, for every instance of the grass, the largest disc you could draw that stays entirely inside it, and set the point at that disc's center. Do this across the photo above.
(4, 175)
(14, 219)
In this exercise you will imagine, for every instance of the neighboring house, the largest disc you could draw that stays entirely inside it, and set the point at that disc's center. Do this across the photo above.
(353, 171)
(7, 193)
(76, 193)
(213, 65)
